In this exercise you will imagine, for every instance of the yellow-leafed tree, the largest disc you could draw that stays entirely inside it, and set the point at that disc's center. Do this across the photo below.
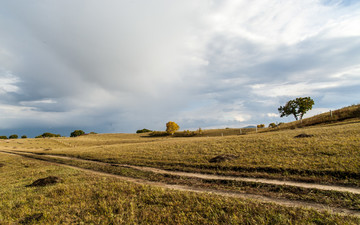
(171, 127)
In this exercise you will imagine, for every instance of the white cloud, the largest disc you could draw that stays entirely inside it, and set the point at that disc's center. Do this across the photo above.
(121, 65)
(272, 115)
(8, 82)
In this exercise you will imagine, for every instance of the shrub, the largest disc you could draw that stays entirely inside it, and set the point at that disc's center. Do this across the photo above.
(77, 133)
(188, 133)
(48, 135)
(158, 134)
(13, 136)
(92, 133)
(3, 137)
(171, 127)
(143, 131)
(24, 136)
(260, 126)
(185, 133)
(272, 125)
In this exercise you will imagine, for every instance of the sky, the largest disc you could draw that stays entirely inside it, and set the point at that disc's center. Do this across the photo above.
(117, 66)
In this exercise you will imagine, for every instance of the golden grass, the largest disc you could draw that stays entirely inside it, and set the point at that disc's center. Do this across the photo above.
(85, 198)
(330, 156)
(329, 198)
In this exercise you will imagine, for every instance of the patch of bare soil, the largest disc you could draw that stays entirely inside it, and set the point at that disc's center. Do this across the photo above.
(45, 181)
(36, 217)
(223, 158)
(304, 135)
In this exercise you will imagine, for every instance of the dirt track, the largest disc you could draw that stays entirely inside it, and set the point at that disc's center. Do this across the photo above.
(353, 190)
(289, 203)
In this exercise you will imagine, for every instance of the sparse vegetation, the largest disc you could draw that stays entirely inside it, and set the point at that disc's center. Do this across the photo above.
(158, 134)
(188, 133)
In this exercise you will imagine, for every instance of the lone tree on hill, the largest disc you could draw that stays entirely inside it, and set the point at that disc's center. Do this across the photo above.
(171, 127)
(297, 107)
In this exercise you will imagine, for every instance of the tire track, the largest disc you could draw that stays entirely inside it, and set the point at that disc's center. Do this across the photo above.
(283, 202)
(353, 190)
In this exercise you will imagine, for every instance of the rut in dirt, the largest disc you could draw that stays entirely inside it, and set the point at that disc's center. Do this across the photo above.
(353, 190)
(284, 202)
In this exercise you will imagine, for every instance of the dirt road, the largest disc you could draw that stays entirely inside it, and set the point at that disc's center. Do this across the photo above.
(284, 202)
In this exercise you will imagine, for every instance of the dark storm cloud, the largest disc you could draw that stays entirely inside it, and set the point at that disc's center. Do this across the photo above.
(118, 66)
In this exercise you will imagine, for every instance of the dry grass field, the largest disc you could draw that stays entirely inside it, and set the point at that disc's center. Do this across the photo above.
(329, 155)
(86, 198)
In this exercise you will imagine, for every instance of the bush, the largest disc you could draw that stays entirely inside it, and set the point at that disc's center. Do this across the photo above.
(92, 133)
(143, 131)
(24, 136)
(272, 125)
(3, 137)
(13, 136)
(260, 126)
(186, 133)
(77, 133)
(158, 134)
(48, 135)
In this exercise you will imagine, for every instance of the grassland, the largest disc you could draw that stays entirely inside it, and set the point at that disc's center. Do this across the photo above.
(86, 198)
(301, 195)
(329, 156)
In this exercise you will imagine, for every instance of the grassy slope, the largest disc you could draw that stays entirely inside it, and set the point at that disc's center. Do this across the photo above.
(331, 156)
(100, 200)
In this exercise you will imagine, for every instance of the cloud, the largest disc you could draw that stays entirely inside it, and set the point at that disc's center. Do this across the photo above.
(118, 66)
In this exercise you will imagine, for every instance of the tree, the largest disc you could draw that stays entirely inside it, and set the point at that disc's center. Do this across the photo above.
(171, 127)
(76, 133)
(13, 136)
(24, 136)
(297, 107)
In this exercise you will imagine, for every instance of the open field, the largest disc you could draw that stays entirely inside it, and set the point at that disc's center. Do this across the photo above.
(267, 166)
(89, 198)
(330, 156)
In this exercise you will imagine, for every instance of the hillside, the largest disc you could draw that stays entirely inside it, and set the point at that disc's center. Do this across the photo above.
(317, 170)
